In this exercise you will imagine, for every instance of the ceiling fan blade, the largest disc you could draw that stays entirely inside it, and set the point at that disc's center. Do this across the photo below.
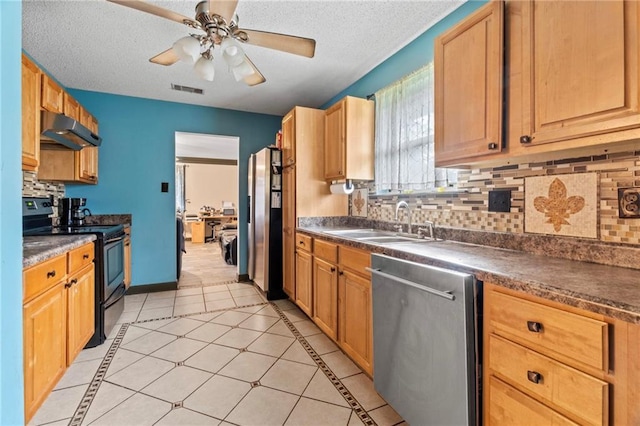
(168, 57)
(286, 43)
(255, 78)
(224, 8)
(158, 11)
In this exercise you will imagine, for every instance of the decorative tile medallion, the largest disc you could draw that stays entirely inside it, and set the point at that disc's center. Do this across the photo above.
(562, 205)
(359, 201)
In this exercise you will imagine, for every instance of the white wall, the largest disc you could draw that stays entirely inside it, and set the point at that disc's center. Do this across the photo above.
(210, 185)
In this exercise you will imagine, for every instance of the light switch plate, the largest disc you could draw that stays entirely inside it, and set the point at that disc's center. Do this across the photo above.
(629, 203)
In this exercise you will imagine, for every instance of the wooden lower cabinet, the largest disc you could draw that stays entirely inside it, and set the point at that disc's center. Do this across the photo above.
(80, 311)
(58, 320)
(304, 289)
(45, 345)
(325, 297)
(288, 265)
(355, 319)
(549, 363)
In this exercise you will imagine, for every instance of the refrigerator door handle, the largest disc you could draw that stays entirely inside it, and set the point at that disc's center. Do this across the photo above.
(252, 222)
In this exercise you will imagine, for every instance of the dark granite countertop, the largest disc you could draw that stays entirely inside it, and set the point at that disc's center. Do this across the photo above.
(608, 290)
(108, 219)
(41, 248)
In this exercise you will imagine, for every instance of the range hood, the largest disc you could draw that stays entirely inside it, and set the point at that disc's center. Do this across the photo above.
(58, 129)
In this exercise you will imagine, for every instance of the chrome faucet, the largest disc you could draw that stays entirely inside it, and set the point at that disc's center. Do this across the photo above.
(406, 206)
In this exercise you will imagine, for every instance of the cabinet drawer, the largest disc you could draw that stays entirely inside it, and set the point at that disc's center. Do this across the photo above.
(326, 251)
(509, 406)
(80, 257)
(567, 388)
(538, 326)
(355, 259)
(43, 275)
(304, 242)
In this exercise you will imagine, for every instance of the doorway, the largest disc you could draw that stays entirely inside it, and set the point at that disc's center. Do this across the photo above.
(207, 195)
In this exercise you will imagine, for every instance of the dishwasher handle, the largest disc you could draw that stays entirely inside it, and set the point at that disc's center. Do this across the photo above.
(445, 294)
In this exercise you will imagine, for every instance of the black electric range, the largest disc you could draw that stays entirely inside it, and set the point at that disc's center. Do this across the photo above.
(108, 260)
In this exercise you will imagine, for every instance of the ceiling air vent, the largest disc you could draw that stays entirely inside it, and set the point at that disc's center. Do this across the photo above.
(187, 89)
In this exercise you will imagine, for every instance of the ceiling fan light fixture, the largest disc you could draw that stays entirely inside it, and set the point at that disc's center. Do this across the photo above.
(187, 48)
(204, 68)
(232, 52)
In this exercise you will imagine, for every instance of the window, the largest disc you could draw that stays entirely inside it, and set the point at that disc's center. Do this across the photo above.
(404, 145)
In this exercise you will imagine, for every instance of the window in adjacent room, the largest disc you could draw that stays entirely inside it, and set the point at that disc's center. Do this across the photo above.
(404, 145)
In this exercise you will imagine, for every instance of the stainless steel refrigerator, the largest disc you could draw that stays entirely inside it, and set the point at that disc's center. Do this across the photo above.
(265, 222)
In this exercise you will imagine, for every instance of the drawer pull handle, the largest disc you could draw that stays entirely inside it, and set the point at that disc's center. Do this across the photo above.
(301, 242)
(85, 256)
(534, 376)
(534, 326)
(51, 274)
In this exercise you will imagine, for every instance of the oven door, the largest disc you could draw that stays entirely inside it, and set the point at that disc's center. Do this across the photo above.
(113, 265)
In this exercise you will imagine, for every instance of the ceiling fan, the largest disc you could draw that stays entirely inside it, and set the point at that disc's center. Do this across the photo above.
(218, 21)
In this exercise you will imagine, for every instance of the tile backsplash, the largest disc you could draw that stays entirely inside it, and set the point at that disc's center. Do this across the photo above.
(471, 209)
(32, 187)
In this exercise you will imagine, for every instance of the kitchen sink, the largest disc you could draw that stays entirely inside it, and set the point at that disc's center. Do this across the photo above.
(376, 236)
(360, 233)
(390, 239)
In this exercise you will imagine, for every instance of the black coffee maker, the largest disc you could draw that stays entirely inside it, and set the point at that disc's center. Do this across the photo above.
(72, 212)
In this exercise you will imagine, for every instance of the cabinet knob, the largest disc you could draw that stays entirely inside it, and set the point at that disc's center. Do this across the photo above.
(333, 269)
(301, 242)
(51, 274)
(492, 145)
(70, 283)
(534, 326)
(340, 272)
(525, 139)
(85, 256)
(534, 376)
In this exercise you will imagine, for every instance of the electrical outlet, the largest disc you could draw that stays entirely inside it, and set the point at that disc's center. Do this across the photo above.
(629, 202)
(500, 201)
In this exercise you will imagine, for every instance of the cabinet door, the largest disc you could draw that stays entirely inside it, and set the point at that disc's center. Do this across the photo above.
(288, 228)
(71, 107)
(468, 62)
(80, 311)
(304, 283)
(335, 142)
(52, 95)
(581, 73)
(30, 115)
(325, 297)
(45, 351)
(88, 164)
(289, 139)
(355, 319)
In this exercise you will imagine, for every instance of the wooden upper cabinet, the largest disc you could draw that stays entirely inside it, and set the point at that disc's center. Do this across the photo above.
(580, 69)
(30, 115)
(349, 140)
(52, 95)
(72, 108)
(289, 139)
(468, 64)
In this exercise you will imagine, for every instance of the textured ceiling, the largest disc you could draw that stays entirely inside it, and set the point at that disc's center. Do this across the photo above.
(101, 46)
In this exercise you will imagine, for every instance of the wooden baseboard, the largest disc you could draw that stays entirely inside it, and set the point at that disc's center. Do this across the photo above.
(152, 288)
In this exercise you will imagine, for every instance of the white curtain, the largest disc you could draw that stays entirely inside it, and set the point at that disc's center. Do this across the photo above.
(180, 186)
(405, 135)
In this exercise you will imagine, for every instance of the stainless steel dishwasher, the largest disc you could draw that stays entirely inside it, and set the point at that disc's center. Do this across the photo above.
(425, 339)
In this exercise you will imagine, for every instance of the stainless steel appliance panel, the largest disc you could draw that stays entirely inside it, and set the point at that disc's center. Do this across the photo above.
(251, 266)
(424, 338)
(262, 208)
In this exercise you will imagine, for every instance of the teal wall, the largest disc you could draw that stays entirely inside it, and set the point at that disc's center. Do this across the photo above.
(138, 153)
(408, 59)
(11, 389)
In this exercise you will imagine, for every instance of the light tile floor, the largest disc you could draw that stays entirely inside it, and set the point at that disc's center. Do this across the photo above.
(203, 265)
(242, 365)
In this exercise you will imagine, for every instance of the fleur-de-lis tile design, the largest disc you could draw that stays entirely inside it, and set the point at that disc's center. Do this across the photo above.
(358, 203)
(557, 207)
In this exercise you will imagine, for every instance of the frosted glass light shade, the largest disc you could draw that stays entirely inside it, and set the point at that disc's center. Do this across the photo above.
(187, 48)
(205, 69)
(242, 70)
(232, 52)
